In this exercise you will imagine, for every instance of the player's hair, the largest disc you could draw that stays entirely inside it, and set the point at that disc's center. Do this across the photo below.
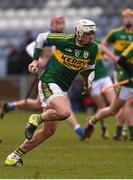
(56, 19)
(127, 12)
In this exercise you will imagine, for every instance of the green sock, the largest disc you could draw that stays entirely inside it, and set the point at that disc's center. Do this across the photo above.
(102, 124)
(19, 152)
(131, 132)
(118, 130)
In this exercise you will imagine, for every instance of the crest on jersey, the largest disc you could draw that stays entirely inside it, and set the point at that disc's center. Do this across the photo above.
(86, 54)
(77, 53)
(123, 37)
(130, 37)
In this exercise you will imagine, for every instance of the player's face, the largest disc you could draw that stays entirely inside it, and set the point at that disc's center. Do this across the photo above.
(87, 38)
(59, 26)
(128, 21)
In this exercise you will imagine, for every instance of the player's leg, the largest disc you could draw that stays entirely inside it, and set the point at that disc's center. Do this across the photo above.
(15, 158)
(109, 95)
(59, 108)
(124, 114)
(100, 102)
(120, 121)
(21, 104)
(125, 94)
(58, 105)
(29, 104)
(103, 113)
(72, 121)
(6, 107)
(128, 111)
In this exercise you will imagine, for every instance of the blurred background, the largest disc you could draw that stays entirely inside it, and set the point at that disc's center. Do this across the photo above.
(21, 21)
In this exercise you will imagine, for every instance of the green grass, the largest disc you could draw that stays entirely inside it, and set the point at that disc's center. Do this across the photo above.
(64, 156)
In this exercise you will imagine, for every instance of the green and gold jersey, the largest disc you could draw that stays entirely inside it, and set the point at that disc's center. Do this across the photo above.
(100, 69)
(120, 38)
(128, 54)
(68, 59)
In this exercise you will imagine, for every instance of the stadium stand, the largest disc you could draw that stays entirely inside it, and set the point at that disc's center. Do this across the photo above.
(17, 16)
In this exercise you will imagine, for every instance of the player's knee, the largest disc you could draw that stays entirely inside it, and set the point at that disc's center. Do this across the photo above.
(129, 103)
(64, 114)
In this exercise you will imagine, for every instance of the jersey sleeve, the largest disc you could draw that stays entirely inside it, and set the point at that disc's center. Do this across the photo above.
(110, 37)
(99, 54)
(30, 48)
(95, 55)
(56, 39)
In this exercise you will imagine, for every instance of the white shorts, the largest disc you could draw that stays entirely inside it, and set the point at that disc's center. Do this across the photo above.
(126, 93)
(49, 91)
(99, 84)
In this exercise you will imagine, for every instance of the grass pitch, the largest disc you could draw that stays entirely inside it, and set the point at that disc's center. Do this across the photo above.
(64, 156)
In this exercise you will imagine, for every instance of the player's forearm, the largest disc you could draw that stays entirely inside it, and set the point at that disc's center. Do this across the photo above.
(107, 52)
(41, 40)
